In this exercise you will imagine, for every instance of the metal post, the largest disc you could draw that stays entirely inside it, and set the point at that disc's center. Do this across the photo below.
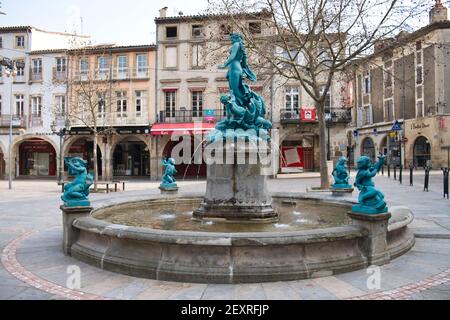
(389, 170)
(328, 138)
(382, 170)
(411, 170)
(400, 174)
(427, 178)
(395, 172)
(61, 136)
(445, 171)
(11, 162)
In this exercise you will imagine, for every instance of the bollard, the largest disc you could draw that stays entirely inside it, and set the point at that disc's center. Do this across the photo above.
(395, 172)
(411, 170)
(400, 174)
(445, 171)
(427, 178)
(389, 170)
(382, 170)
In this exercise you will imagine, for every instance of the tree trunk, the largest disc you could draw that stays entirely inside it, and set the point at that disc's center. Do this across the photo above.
(95, 163)
(324, 180)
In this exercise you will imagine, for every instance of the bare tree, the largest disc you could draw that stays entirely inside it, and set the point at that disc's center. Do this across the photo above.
(91, 97)
(312, 41)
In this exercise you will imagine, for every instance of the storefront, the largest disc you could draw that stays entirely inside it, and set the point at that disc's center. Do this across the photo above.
(368, 148)
(169, 136)
(83, 148)
(131, 158)
(37, 158)
(297, 154)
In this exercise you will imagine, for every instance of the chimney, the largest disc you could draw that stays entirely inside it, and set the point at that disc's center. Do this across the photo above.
(163, 12)
(438, 13)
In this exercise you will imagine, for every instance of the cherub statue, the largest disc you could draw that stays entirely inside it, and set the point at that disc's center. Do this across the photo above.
(76, 192)
(168, 179)
(340, 174)
(370, 199)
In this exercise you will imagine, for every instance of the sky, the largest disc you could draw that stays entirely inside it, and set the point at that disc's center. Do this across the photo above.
(106, 21)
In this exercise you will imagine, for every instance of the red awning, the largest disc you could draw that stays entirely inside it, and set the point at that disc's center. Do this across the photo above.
(159, 129)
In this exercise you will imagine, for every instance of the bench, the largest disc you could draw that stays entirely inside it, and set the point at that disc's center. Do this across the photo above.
(107, 183)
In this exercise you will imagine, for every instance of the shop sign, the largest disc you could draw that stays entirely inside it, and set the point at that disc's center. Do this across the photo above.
(418, 126)
(209, 115)
(308, 114)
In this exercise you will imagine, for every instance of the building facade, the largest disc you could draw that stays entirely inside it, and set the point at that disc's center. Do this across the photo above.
(111, 97)
(29, 97)
(403, 97)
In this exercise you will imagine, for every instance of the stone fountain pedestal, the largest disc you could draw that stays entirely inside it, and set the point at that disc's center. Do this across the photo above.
(236, 188)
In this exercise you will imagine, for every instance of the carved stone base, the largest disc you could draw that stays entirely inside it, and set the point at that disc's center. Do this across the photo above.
(168, 190)
(374, 245)
(236, 189)
(340, 192)
(71, 234)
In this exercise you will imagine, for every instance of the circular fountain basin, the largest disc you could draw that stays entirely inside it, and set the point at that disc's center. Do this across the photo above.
(158, 239)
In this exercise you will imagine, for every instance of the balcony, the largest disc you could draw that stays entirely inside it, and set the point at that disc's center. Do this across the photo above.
(341, 116)
(125, 119)
(141, 73)
(36, 121)
(17, 121)
(289, 116)
(59, 75)
(121, 74)
(102, 74)
(35, 76)
(179, 116)
(19, 78)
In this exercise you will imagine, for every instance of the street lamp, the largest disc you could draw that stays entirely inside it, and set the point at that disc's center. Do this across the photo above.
(10, 72)
(61, 132)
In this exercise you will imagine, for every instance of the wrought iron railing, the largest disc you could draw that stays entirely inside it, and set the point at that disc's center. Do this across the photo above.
(17, 121)
(174, 116)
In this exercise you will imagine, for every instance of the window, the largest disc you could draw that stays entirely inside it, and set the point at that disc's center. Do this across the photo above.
(36, 107)
(101, 105)
(418, 45)
(1, 42)
(225, 29)
(197, 103)
(103, 64)
(60, 104)
(197, 31)
(37, 66)
(197, 56)
(388, 78)
(388, 110)
(367, 85)
(327, 102)
(84, 66)
(171, 32)
(19, 98)
(141, 62)
(171, 57)
(254, 27)
(19, 104)
(20, 41)
(61, 64)
(292, 98)
(20, 66)
(140, 102)
(419, 75)
(170, 102)
(419, 109)
(367, 115)
(122, 64)
(121, 103)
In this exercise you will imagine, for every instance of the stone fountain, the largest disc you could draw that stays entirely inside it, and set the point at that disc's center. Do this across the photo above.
(237, 232)
(236, 187)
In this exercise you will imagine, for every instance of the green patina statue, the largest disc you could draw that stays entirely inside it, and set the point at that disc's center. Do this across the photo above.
(168, 180)
(76, 192)
(245, 109)
(340, 175)
(371, 200)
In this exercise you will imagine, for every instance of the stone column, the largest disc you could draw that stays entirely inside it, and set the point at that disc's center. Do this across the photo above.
(374, 244)
(70, 234)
